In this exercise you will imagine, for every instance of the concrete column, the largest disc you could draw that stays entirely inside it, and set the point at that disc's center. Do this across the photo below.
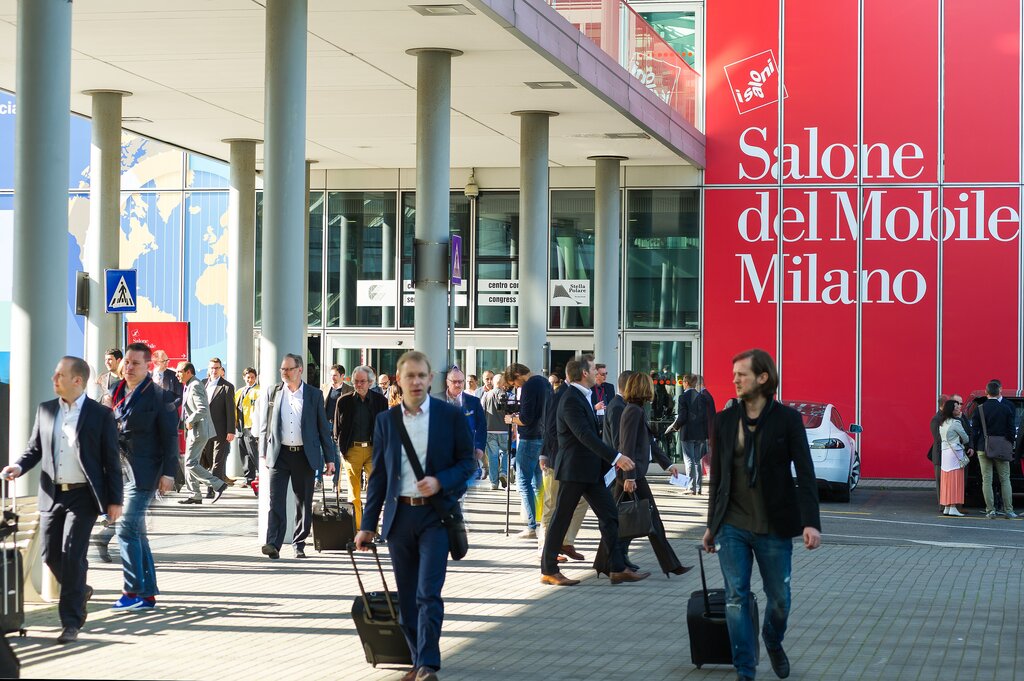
(284, 200)
(241, 268)
(305, 250)
(533, 235)
(607, 282)
(387, 250)
(103, 239)
(433, 158)
(42, 138)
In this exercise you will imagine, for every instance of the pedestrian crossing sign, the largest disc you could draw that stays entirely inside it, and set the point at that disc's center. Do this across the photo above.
(120, 290)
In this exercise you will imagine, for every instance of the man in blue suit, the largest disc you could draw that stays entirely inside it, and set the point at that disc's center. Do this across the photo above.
(147, 420)
(295, 439)
(418, 543)
(75, 439)
(471, 406)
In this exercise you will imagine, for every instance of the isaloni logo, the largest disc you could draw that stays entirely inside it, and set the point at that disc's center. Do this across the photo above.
(754, 81)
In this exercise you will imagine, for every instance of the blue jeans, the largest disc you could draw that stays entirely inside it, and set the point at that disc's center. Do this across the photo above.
(497, 455)
(136, 557)
(736, 550)
(694, 451)
(528, 478)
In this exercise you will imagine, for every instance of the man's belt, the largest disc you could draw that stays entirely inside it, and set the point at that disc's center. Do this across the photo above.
(68, 486)
(293, 448)
(362, 444)
(415, 501)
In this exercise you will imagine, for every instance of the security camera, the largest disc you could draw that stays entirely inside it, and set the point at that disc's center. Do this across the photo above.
(472, 189)
(400, 342)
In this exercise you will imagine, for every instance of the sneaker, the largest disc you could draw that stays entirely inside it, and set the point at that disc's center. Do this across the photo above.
(1011, 515)
(493, 486)
(527, 534)
(503, 480)
(952, 511)
(126, 602)
(991, 515)
(146, 604)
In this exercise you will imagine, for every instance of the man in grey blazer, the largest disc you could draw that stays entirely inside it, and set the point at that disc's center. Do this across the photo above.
(198, 427)
(295, 439)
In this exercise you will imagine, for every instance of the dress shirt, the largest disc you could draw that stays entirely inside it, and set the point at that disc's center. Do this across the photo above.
(418, 427)
(333, 395)
(586, 394)
(158, 377)
(362, 419)
(457, 400)
(291, 417)
(211, 385)
(65, 432)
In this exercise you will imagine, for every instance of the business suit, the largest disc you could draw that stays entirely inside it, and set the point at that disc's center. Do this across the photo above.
(602, 392)
(196, 421)
(692, 424)
(148, 420)
(356, 453)
(168, 380)
(636, 440)
(551, 485)
(222, 416)
(67, 516)
(579, 468)
(416, 539)
(294, 464)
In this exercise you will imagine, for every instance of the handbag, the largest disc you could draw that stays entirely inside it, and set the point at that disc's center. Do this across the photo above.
(996, 448)
(451, 517)
(634, 517)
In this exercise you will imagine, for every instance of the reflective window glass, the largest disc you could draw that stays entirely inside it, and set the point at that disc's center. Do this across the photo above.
(570, 289)
(497, 259)
(458, 224)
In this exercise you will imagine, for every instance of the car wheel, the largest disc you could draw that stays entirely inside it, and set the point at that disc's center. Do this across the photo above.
(855, 471)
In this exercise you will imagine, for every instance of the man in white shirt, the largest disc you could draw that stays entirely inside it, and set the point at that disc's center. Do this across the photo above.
(441, 441)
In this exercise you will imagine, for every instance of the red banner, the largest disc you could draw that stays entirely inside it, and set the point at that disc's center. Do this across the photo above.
(171, 337)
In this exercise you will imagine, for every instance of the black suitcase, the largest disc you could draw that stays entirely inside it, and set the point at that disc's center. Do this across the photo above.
(376, 618)
(12, 610)
(705, 619)
(333, 526)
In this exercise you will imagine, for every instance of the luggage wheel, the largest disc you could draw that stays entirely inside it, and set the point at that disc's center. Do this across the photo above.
(22, 633)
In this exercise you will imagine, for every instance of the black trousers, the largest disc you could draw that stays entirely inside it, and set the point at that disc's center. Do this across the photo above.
(293, 468)
(663, 551)
(601, 502)
(215, 457)
(65, 529)
(249, 449)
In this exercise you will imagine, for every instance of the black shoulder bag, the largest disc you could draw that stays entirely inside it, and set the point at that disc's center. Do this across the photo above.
(451, 518)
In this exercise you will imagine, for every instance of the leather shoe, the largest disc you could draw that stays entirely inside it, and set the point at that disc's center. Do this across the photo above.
(571, 551)
(209, 492)
(219, 493)
(68, 635)
(426, 674)
(271, 551)
(631, 565)
(300, 552)
(410, 675)
(104, 552)
(626, 576)
(780, 663)
(558, 579)
(190, 500)
(561, 559)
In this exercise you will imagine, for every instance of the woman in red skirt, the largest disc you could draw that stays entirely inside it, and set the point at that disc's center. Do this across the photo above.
(954, 458)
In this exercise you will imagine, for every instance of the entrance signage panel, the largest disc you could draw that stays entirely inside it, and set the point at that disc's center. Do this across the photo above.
(569, 292)
(171, 337)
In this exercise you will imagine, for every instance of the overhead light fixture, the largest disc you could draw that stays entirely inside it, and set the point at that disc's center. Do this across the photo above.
(627, 136)
(135, 119)
(550, 85)
(441, 10)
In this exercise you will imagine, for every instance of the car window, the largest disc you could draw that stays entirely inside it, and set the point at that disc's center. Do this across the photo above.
(837, 420)
(812, 412)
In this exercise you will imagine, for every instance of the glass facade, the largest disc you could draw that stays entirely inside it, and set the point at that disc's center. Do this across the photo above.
(459, 223)
(497, 259)
(315, 259)
(572, 259)
(663, 259)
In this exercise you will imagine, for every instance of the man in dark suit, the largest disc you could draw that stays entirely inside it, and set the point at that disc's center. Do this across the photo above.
(441, 441)
(148, 424)
(75, 439)
(580, 468)
(602, 393)
(691, 418)
(356, 412)
(755, 510)
(164, 377)
(548, 457)
(221, 395)
(999, 422)
(471, 406)
(295, 439)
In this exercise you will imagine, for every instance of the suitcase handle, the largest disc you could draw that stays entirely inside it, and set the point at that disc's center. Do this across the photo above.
(387, 594)
(704, 581)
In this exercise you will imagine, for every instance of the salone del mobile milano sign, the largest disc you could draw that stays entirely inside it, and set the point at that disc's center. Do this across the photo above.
(862, 207)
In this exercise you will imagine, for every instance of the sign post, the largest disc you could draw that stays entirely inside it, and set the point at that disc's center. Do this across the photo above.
(455, 279)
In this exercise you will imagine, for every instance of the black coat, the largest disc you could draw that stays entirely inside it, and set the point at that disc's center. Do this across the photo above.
(999, 420)
(222, 409)
(549, 450)
(612, 418)
(691, 416)
(635, 441)
(97, 453)
(582, 454)
(343, 417)
(783, 443)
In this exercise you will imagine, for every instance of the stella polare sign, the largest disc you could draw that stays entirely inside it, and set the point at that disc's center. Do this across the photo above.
(859, 215)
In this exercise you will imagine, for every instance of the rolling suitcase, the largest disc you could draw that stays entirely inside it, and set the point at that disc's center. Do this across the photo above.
(333, 526)
(12, 612)
(705, 619)
(376, 618)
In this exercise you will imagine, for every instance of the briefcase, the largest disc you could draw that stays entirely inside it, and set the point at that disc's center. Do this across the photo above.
(376, 617)
(705, 620)
(334, 525)
(634, 517)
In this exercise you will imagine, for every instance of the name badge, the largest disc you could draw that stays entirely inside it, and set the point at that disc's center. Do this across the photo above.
(600, 412)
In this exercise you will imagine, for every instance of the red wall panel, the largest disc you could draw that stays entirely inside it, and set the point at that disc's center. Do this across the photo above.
(743, 49)
(901, 85)
(980, 286)
(899, 336)
(738, 313)
(981, 116)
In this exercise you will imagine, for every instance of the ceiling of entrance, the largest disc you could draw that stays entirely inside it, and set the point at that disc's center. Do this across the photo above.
(196, 68)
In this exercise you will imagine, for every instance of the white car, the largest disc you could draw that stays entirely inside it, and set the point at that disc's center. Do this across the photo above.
(834, 448)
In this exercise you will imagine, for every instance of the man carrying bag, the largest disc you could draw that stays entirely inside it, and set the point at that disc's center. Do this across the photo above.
(994, 429)
(420, 504)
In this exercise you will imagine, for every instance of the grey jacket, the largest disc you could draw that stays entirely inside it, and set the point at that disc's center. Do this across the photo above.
(195, 412)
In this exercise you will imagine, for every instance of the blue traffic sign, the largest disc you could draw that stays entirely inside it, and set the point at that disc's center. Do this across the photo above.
(120, 290)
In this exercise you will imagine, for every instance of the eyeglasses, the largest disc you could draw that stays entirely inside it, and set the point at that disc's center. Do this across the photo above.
(287, 369)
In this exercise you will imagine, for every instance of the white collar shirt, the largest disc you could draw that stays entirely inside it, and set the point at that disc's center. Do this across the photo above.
(211, 385)
(457, 400)
(586, 392)
(418, 427)
(291, 417)
(65, 440)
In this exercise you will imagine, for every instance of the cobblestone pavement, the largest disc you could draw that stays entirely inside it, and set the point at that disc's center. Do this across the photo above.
(861, 611)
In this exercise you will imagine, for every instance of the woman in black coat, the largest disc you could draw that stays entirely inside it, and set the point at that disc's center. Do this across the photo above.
(637, 441)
